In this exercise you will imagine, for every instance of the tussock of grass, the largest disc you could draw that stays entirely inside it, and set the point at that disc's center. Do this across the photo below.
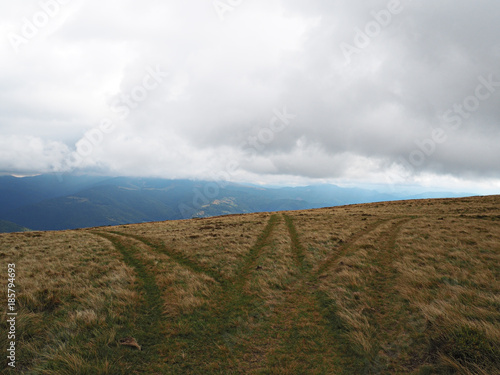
(467, 345)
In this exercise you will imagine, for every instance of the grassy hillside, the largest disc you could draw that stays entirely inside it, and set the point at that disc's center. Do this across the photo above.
(386, 288)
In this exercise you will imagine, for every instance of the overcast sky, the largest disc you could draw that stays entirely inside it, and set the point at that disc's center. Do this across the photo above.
(263, 91)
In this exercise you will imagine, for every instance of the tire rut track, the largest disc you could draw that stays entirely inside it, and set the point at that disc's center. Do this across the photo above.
(306, 343)
(176, 256)
(389, 311)
(250, 261)
(209, 325)
(348, 359)
(147, 324)
(384, 259)
(297, 248)
(344, 248)
(251, 304)
(235, 305)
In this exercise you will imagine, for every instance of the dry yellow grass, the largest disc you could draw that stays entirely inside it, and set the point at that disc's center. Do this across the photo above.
(66, 283)
(394, 287)
(450, 273)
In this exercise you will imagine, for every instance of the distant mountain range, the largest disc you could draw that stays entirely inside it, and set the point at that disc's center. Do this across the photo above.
(8, 227)
(49, 202)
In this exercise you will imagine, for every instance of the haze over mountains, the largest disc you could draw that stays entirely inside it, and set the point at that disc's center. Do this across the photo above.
(49, 202)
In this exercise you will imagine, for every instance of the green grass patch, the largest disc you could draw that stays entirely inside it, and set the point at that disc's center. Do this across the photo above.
(145, 328)
(469, 347)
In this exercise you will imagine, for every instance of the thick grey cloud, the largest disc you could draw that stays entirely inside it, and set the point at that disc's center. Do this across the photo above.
(373, 92)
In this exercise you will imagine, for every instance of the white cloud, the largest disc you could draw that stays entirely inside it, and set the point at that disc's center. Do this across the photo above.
(27, 154)
(354, 122)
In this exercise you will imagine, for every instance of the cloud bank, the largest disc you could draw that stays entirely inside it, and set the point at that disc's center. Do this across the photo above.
(378, 92)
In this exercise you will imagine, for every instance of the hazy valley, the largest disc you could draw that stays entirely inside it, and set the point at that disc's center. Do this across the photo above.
(51, 202)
